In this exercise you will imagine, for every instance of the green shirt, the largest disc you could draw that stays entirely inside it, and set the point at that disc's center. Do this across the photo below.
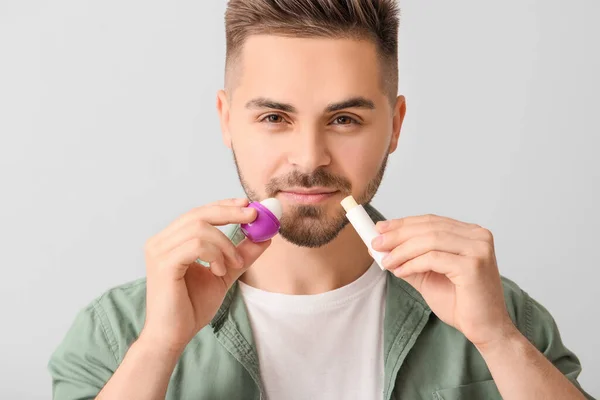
(423, 357)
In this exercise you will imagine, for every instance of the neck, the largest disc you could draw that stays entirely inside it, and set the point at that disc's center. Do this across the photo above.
(290, 269)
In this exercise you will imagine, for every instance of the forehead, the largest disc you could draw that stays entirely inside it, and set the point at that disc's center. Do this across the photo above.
(306, 71)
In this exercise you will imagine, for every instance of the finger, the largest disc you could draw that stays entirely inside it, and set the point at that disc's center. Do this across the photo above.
(437, 241)
(436, 261)
(235, 201)
(385, 226)
(393, 238)
(218, 268)
(214, 215)
(250, 252)
(203, 231)
(179, 259)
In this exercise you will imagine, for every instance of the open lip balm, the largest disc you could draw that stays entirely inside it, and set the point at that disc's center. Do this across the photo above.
(364, 226)
(264, 227)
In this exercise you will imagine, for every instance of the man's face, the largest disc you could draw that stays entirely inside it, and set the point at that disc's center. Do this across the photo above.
(309, 123)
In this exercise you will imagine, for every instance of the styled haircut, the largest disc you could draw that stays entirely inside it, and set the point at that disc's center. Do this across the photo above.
(373, 20)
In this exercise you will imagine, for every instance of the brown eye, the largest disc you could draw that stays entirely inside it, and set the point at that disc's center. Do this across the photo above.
(344, 120)
(273, 119)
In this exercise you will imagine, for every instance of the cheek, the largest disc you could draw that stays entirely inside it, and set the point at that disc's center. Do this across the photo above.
(255, 159)
(360, 158)
(249, 141)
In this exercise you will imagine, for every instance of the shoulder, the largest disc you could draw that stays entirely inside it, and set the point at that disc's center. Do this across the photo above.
(121, 311)
(533, 319)
(539, 326)
(97, 340)
(112, 320)
(127, 300)
(517, 301)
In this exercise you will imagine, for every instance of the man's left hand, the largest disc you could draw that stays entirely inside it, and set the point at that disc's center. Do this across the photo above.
(453, 265)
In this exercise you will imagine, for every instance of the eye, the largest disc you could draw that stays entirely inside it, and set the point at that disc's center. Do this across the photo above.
(272, 119)
(345, 120)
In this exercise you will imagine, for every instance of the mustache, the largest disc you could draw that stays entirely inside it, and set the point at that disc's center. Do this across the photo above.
(319, 178)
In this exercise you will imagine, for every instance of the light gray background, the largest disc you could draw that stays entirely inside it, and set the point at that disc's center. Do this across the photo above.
(109, 131)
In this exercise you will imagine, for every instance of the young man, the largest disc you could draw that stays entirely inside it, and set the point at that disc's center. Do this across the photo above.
(311, 113)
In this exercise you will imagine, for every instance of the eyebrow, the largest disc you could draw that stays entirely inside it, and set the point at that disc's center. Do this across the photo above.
(262, 102)
(353, 102)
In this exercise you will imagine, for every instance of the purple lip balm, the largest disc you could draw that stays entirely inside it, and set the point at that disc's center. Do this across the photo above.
(266, 225)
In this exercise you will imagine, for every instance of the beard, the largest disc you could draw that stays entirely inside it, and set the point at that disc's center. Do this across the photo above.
(308, 225)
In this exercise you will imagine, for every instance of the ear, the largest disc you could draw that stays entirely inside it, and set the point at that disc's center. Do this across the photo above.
(399, 113)
(223, 110)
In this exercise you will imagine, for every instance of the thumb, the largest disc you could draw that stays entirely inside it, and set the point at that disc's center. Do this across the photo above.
(250, 252)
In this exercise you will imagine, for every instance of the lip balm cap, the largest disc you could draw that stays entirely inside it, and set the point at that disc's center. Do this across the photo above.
(266, 225)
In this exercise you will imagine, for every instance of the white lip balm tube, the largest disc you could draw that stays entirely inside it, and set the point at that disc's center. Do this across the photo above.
(364, 226)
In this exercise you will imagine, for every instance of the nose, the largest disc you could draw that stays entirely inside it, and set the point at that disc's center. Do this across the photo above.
(308, 150)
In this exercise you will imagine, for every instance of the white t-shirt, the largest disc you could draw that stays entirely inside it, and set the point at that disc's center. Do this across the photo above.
(327, 346)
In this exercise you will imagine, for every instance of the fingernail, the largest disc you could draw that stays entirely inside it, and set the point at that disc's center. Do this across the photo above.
(382, 224)
(378, 241)
(248, 210)
(385, 260)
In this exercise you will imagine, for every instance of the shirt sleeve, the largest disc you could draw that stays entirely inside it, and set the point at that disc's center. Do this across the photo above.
(85, 359)
(542, 330)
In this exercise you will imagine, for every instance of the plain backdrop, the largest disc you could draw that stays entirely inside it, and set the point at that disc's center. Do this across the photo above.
(109, 131)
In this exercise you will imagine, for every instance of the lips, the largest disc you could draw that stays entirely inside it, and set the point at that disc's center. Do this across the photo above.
(311, 196)
(304, 191)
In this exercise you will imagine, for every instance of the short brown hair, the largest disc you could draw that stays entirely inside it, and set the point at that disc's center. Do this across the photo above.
(375, 20)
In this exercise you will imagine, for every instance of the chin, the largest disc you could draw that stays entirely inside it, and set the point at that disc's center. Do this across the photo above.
(311, 226)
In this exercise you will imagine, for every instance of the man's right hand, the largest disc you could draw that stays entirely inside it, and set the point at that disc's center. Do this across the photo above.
(182, 295)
